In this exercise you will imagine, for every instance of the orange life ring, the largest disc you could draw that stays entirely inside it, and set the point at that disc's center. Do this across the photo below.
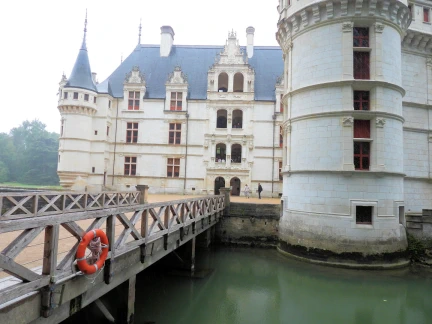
(81, 257)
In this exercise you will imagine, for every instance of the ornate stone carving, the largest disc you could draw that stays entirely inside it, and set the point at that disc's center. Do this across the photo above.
(135, 76)
(347, 121)
(379, 28)
(286, 127)
(177, 76)
(429, 62)
(347, 26)
(380, 122)
(206, 143)
(231, 53)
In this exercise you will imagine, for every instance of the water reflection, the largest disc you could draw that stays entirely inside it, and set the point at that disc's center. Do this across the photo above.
(262, 286)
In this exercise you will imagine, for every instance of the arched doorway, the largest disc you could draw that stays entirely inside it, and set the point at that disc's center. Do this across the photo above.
(219, 183)
(235, 185)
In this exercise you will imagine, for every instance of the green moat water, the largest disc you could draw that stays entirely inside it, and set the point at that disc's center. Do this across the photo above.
(263, 286)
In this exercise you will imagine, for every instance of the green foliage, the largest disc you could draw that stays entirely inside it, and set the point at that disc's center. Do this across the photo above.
(4, 172)
(416, 248)
(29, 154)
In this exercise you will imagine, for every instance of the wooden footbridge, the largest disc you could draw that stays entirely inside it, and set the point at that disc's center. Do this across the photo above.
(40, 233)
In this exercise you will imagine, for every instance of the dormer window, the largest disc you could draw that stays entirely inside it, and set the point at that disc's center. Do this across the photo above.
(176, 101)
(238, 82)
(86, 97)
(223, 82)
(134, 100)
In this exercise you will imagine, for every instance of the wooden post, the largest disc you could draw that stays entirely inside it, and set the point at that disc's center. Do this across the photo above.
(143, 189)
(110, 231)
(131, 299)
(192, 267)
(226, 192)
(49, 265)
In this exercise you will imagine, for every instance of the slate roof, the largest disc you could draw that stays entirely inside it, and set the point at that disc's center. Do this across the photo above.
(195, 61)
(81, 76)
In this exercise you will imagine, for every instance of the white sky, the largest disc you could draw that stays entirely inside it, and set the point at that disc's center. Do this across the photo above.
(40, 40)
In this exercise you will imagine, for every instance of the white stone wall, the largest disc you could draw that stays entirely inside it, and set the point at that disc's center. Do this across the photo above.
(414, 78)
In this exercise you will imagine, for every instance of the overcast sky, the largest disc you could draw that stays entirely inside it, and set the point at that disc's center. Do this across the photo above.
(40, 40)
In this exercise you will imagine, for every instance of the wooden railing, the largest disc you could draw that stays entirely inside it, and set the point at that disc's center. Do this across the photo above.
(50, 217)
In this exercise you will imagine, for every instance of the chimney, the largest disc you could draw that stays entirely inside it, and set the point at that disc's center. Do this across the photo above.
(167, 39)
(250, 36)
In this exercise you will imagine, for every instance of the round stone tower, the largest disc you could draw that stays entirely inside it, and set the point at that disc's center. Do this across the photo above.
(343, 127)
(77, 106)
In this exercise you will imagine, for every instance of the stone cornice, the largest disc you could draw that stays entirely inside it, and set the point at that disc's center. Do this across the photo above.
(77, 110)
(390, 12)
(366, 84)
(415, 105)
(417, 41)
(378, 174)
(349, 113)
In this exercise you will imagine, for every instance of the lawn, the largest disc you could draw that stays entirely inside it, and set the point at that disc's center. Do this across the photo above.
(28, 186)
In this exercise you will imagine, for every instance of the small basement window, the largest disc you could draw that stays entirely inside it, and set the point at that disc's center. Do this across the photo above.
(364, 215)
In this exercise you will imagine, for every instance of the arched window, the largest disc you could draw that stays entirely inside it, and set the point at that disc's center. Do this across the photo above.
(237, 121)
(223, 82)
(221, 119)
(238, 82)
(220, 152)
(236, 153)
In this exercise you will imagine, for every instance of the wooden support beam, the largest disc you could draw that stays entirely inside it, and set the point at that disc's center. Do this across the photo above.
(24, 239)
(11, 267)
(131, 300)
(104, 310)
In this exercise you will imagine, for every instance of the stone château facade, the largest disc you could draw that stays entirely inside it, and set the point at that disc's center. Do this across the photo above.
(357, 140)
(180, 119)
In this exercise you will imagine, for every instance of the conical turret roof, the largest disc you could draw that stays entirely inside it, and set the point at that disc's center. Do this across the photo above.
(81, 76)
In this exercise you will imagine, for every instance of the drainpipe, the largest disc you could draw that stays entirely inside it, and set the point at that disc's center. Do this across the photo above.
(115, 143)
(187, 129)
(273, 155)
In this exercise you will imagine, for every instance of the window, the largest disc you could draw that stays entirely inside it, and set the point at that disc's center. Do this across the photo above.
(93, 169)
(361, 100)
(361, 65)
(280, 136)
(134, 100)
(280, 171)
(236, 153)
(75, 96)
(65, 95)
(174, 133)
(223, 82)
(410, 8)
(86, 97)
(107, 131)
(130, 165)
(361, 147)
(220, 152)
(281, 107)
(426, 15)
(176, 101)
(173, 168)
(132, 133)
(95, 132)
(360, 37)
(364, 214)
(237, 121)
(238, 82)
(221, 121)
(109, 103)
(94, 99)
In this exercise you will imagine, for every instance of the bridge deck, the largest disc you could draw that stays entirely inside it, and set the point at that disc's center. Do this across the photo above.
(48, 227)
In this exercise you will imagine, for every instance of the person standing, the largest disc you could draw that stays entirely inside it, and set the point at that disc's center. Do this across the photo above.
(247, 191)
(259, 190)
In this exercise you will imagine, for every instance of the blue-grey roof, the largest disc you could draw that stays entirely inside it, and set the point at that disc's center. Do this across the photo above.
(195, 62)
(81, 76)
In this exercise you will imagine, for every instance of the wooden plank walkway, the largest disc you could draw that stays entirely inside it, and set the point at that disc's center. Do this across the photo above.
(140, 234)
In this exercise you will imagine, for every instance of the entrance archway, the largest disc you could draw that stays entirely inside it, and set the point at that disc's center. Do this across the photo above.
(235, 185)
(219, 183)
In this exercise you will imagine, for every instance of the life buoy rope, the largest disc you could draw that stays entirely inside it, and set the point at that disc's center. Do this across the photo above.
(98, 241)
